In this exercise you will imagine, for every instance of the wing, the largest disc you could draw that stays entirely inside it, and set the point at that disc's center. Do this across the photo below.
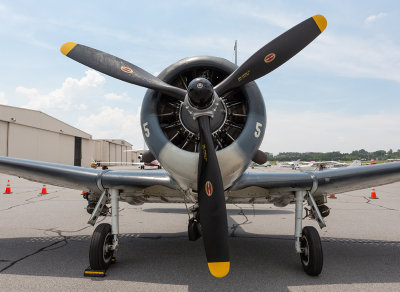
(130, 183)
(279, 188)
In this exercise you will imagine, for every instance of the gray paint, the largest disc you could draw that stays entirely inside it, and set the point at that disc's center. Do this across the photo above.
(270, 187)
(329, 181)
(182, 165)
(81, 178)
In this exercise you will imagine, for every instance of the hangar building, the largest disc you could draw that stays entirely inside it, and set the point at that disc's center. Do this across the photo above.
(137, 155)
(112, 151)
(34, 135)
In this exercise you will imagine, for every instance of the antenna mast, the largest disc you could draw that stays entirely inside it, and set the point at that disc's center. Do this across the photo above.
(235, 49)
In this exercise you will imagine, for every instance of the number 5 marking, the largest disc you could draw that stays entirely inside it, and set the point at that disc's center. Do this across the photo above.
(258, 130)
(146, 130)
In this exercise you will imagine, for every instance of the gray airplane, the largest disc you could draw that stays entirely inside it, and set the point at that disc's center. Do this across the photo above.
(204, 119)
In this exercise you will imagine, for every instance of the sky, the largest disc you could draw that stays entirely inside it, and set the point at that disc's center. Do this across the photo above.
(341, 93)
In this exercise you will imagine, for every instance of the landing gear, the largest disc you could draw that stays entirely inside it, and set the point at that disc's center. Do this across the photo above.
(311, 257)
(194, 229)
(100, 252)
(105, 237)
(308, 242)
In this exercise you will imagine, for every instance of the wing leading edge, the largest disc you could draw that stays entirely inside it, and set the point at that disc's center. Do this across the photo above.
(81, 178)
(275, 187)
(322, 182)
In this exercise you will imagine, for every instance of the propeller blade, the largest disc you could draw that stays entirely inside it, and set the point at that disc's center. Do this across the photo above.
(275, 53)
(212, 204)
(118, 68)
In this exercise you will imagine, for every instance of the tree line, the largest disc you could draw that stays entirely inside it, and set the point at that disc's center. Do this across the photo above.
(335, 155)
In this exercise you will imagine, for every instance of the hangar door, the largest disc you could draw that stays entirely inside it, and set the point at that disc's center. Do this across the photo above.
(78, 151)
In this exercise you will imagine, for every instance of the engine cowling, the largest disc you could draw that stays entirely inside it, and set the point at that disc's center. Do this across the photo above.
(171, 133)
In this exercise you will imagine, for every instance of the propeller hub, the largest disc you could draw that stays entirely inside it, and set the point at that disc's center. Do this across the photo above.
(200, 93)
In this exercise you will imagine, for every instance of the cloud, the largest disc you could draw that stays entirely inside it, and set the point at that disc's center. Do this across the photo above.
(3, 99)
(23, 28)
(114, 96)
(68, 97)
(113, 123)
(353, 57)
(327, 131)
(372, 18)
(3, 8)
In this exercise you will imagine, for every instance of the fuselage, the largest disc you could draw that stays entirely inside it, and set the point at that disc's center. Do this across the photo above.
(238, 126)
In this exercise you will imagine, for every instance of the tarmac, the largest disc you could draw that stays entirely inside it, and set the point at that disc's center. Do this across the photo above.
(44, 245)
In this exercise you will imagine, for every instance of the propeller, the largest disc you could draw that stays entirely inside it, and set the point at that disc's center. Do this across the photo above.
(118, 68)
(210, 187)
(201, 97)
(274, 54)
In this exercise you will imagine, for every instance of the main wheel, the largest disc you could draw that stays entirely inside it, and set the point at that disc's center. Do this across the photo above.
(312, 257)
(100, 254)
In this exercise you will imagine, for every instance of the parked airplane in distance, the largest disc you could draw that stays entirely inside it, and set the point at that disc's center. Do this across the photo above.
(324, 165)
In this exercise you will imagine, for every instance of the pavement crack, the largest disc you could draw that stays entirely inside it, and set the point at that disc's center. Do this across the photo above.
(235, 226)
(29, 201)
(60, 232)
(369, 201)
(31, 254)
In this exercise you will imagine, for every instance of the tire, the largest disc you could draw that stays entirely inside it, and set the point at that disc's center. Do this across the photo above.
(99, 258)
(312, 258)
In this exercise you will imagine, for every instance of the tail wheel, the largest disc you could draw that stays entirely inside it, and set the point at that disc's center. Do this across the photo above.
(312, 257)
(100, 254)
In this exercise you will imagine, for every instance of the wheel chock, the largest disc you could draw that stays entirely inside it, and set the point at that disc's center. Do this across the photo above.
(94, 273)
(89, 272)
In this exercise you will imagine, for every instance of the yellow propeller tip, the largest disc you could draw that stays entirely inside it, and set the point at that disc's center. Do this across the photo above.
(320, 21)
(219, 269)
(67, 47)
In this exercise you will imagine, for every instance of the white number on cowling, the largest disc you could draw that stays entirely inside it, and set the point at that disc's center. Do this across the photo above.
(257, 133)
(146, 130)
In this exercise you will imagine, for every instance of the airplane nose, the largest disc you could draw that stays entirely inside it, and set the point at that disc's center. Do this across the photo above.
(200, 92)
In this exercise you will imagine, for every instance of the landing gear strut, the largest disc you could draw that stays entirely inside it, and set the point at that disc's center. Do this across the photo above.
(308, 242)
(105, 237)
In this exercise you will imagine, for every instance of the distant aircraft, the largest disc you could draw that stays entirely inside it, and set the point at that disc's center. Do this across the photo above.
(292, 164)
(323, 165)
(154, 163)
(204, 119)
(146, 159)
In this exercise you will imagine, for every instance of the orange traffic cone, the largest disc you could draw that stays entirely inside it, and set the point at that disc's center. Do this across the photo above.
(44, 190)
(373, 194)
(8, 188)
(332, 196)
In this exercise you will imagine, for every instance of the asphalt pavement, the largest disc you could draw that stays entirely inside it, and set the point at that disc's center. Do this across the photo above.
(44, 244)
